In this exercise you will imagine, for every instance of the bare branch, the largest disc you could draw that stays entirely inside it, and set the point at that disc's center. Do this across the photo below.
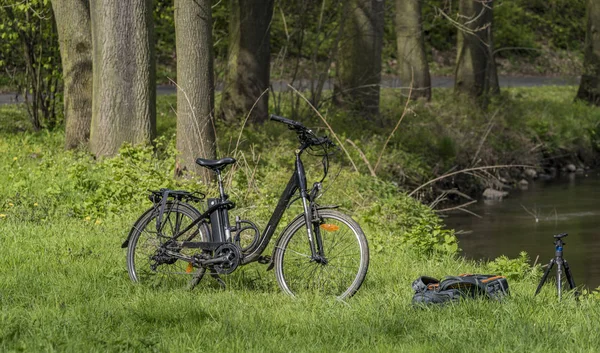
(468, 170)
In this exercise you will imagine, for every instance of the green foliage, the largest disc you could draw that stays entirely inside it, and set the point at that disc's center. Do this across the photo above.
(440, 33)
(562, 22)
(29, 55)
(116, 184)
(164, 31)
(514, 269)
(514, 30)
(416, 225)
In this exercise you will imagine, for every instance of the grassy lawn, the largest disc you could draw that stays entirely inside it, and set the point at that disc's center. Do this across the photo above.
(64, 285)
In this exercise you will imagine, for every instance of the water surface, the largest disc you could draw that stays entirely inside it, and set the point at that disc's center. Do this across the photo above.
(528, 219)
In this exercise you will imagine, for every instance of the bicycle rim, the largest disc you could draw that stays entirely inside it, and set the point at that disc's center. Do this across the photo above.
(144, 260)
(346, 252)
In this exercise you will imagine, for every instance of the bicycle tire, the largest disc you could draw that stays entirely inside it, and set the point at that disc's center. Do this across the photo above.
(146, 240)
(346, 250)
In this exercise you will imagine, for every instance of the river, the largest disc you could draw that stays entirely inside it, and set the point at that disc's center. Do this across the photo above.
(527, 220)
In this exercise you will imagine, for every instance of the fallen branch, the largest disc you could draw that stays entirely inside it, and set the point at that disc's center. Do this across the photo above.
(465, 171)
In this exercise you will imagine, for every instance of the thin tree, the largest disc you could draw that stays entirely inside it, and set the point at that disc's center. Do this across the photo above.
(195, 94)
(475, 73)
(589, 88)
(248, 61)
(359, 74)
(75, 39)
(412, 60)
(124, 84)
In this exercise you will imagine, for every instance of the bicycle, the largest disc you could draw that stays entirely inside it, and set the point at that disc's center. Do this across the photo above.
(321, 250)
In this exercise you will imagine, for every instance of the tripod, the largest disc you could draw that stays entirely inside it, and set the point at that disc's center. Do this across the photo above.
(560, 262)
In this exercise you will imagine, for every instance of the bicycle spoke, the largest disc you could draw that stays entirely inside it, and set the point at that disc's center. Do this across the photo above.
(148, 259)
(339, 273)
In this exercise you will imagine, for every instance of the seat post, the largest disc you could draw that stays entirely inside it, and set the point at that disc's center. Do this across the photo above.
(221, 189)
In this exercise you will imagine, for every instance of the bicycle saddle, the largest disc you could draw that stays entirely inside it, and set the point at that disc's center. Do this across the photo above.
(215, 164)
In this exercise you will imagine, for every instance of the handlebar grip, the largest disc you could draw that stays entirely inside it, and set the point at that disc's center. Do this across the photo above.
(287, 121)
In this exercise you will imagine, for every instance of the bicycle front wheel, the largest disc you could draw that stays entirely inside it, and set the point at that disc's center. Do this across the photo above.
(346, 257)
(147, 261)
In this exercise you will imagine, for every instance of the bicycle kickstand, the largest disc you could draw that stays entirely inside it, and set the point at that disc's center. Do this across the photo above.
(218, 279)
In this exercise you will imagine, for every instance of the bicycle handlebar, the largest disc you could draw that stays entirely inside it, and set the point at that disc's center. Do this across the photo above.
(304, 134)
(291, 123)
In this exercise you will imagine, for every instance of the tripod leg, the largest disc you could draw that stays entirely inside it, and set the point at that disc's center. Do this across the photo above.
(559, 279)
(544, 277)
(569, 275)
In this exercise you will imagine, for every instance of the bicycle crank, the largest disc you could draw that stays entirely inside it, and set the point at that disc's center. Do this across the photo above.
(227, 258)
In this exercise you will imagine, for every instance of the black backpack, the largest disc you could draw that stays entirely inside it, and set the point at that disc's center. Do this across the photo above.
(429, 290)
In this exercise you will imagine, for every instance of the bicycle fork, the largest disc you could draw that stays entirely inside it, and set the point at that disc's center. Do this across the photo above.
(314, 235)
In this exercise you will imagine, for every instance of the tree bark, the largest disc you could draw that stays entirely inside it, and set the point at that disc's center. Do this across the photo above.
(412, 60)
(359, 72)
(75, 41)
(195, 96)
(589, 88)
(124, 84)
(248, 62)
(475, 73)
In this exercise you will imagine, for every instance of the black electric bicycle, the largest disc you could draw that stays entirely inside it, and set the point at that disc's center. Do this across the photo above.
(321, 250)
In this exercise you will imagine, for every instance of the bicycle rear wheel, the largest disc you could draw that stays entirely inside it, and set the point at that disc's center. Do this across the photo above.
(346, 255)
(147, 262)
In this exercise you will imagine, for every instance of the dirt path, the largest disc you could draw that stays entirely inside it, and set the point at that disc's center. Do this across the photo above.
(444, 82)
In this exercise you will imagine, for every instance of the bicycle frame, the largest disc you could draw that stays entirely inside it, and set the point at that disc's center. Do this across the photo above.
(296, 182)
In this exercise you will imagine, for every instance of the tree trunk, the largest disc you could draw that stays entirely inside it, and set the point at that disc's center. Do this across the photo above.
(195, 96)
(475, 73)
(412, 59)
(589, 88)
(248, 62)
(124, 84)
(75, 39)
(359, 73)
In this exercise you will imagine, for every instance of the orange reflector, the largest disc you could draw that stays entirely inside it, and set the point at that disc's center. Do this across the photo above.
(330, 227)
(189, 268)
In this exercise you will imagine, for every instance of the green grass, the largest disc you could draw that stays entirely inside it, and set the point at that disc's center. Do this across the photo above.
(63, 216)
(65, 288)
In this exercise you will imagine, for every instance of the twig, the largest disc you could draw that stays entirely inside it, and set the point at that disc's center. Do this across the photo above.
(327, 124)
(531, 213)
(487, 132)
(467, 170)
(461, 207)
(456, 192)
(364, 158)
(440, 198)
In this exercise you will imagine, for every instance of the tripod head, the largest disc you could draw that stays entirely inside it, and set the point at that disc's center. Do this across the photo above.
(561, 235)
(559, 242)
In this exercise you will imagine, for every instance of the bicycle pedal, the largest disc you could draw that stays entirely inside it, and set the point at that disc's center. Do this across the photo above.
(264, 260)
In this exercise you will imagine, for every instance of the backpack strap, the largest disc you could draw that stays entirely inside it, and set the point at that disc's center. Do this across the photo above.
(476, 284)
(471, 284)
(425, 283)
